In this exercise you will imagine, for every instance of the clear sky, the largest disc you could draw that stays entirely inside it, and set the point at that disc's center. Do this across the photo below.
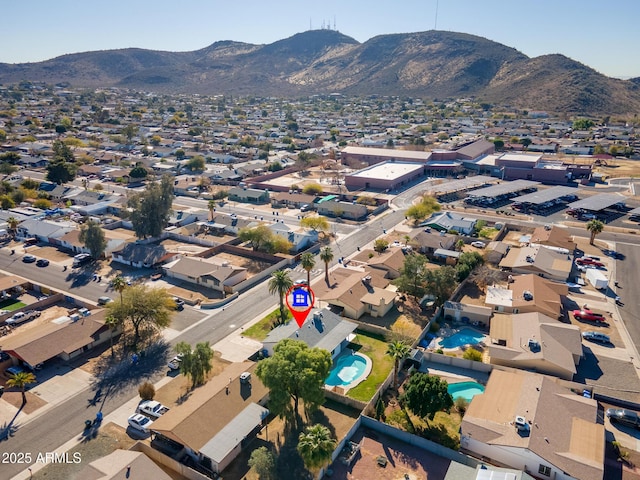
(601, 34)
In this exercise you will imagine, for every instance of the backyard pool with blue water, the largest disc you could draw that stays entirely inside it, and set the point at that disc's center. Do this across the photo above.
(348, 369)
(466, 336)
(466, 390)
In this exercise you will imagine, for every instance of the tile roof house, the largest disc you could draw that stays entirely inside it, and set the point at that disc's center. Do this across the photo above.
(390, 261)
(71, 241)
(533, 341)
(202, 271)
(538, 260)
(322, 328)
(530, 422)
(428, 242)
(216, 421)
(357, 292)
(300, 239)
(141, 256)
(528, 293)
(63, 338)
(553, 237)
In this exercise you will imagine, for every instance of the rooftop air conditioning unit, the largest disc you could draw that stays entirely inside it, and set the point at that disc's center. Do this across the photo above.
(527, 295)
(521, 423)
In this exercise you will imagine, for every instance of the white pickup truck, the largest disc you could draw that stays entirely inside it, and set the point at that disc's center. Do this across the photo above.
(152, 408)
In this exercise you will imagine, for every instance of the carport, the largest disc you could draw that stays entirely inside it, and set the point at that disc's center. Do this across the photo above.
(461, 185)
(504, 188)
(543, 198)
(597, 202)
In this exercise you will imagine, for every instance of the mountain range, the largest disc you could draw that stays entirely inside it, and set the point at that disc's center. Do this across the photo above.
(430, 65)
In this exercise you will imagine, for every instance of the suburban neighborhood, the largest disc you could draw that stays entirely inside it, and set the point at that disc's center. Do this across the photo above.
(468, 275)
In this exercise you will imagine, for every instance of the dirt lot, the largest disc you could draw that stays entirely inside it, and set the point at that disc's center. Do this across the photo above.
(253, 266)
(51, 253)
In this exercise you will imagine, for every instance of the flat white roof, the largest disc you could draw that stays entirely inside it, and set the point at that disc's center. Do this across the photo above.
(388, 152)
(388, 170)
(522, 157)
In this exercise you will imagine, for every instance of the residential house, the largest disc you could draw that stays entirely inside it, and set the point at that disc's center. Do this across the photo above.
(533, 341)
(300, 238)
(64, 338)
(181, 218)
(448, 221)
(391, 261)
(322, 329)
(350, 211)
(46, 231)
(141, 255)
(248, 195)
(467, 313)
(205, 272)
(71, 241)
(428, 242)
(229, 224)
(553, 236)
(528, 293)
(121, 464)
(217, 420)
(291, 200)
(356, 292)
(90, 197)
(495, 252)
(532, 423)
(538, 260)
(28, 161)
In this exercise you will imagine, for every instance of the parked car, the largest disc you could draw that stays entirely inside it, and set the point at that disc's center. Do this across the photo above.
(588, 315)
(21, 317)
(104, 300)
(29, 259)
(596, 337)
(478, 244)
(81, 259)
(179, 303)
(140, 422)
(174, 363)
(43, 262)
(152, 408)
(624, 416)
(589, 261)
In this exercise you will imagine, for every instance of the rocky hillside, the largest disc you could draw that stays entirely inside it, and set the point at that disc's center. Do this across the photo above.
(430, 64)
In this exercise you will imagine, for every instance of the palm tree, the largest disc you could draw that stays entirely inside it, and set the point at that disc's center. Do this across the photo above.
(398, 350)
(12, 222)
(308, 261)
(315, 446)
(211, 205)
(21, 380)
(326, 255)
(113, 323)
(280, 284)
(119, 284)
(594, 227)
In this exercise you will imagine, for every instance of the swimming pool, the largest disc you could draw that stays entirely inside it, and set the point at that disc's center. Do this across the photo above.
(349, 370)
(466, 336)
(466, 390)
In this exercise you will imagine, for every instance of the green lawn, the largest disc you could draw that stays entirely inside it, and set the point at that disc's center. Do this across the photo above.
(373, 347)
(11, 305)
(260, 330)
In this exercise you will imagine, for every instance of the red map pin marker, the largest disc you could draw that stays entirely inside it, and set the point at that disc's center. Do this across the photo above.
(300, 300)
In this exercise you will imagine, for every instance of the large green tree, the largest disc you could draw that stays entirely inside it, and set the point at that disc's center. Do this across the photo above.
(152, 208)
(308, 261)
(594, 227)
(279, 284)
(144, 308)
(62, 168)
(424, 209)
(195, 363)
(295, 372)
(412, 275)
(315, 446)
(425, 395)
(326, 255)
(398, 350)
(315, 222)
(92, 237)
(263, 462)
(441, 283)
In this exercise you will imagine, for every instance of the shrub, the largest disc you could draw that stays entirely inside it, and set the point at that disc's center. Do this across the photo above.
(147, 391)
(461, 405)
(472, 354)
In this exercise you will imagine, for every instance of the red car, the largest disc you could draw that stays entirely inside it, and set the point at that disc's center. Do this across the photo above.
(589, 261)
(588, 315)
